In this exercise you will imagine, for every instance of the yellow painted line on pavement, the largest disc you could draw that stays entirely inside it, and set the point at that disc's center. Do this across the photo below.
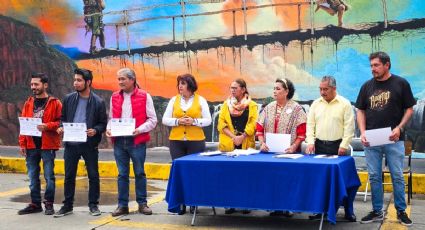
(391, 222)
(24, 190)
(111, 220)
(159, 171)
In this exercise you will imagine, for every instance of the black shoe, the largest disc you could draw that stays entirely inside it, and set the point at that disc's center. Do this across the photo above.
(94, 210)
(182, 210)
(372, 217)
(246, 211)
(120, 211)
(48, 208)
(229, 211)
(350, 218)
(282, 213)
(63, 212)
(192, 209)
(404, 219)
(31, 208)
(317, 217)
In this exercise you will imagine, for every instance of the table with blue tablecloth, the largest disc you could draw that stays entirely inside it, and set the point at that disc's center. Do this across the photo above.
(261, 181)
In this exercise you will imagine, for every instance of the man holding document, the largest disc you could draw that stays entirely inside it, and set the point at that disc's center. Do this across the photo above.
(83, 121)
(385, 101)
(132, 116)
(41, 144)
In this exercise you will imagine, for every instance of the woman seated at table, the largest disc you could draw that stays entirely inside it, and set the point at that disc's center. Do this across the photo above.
(236, 122)
(186, 113)
(283, 116)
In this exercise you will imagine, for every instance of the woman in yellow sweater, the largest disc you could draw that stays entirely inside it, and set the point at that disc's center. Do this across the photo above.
(236, 122)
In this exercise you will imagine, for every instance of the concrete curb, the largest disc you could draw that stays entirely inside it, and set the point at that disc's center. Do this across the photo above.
(161, 171)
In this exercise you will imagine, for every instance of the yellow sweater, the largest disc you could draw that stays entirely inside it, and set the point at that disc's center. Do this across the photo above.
(225, 142)
(192, 133)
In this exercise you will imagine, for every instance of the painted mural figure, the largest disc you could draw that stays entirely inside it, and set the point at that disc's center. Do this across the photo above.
(282, 116)
(376, 110)
(94, 22)
(131, 102)
(333, 7)
(83, 106)
(330, 128)
(34, 149)
(236, 122)
(186, 113)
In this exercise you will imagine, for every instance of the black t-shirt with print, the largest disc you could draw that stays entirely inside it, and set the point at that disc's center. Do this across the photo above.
(39, 105)
(385, 102)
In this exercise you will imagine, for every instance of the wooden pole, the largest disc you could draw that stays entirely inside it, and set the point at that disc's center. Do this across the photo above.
(299, 17)
(174, 29)
(184, 22)
(244, 20)
(234, 23)
(117, 37)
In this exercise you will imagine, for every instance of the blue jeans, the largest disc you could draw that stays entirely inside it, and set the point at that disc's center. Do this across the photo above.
(72, 155)
(33, 159)
(394, 154)
(124, 149)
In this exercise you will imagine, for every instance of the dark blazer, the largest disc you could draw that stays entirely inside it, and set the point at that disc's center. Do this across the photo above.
(95, 114)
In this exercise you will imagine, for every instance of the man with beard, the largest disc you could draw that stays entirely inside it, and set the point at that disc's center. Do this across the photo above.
(83, 106)
(386, 100)
(34, 149)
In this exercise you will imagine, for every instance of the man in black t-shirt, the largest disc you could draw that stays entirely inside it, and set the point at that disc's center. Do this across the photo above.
(386, 100)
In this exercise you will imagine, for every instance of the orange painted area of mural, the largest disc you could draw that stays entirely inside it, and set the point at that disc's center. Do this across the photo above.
(228, 17)
(212, 78)
(54, 18)
(289, 14)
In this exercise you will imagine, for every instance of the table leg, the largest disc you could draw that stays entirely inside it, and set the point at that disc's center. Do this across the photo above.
(194, 216)
(321, 221)
(214, 211)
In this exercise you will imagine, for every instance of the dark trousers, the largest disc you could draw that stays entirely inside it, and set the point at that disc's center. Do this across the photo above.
(327, 147)
(34, 156)
(72, 155)
(183, 148)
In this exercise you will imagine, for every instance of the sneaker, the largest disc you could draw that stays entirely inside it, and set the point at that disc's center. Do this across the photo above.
(318, 216)
(31, 208)
(120, 211)
(48, 208)
(373, 217)
(144, 209)
(404, 219)
(94, 210)
(63, 212)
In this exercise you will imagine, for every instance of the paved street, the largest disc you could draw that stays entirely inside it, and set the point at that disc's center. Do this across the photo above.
(14, 196)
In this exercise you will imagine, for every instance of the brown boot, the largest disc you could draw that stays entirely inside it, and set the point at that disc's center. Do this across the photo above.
(144, 209)
(120, 211)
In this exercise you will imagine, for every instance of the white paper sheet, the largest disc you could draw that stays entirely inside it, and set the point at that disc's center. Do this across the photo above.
(74, 132)
(289, 156)
(327, 156)
(213, 153)
(377, 137)
(122, 126)
(28, 126)
(246, 152)
(278, 142)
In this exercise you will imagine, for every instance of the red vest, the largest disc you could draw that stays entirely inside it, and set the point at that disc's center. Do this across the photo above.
(138, 106)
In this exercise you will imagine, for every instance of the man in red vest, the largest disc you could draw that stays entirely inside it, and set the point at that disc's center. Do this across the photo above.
(131, 102)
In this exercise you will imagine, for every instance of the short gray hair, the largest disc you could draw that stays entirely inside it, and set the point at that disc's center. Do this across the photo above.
(127, 72)
(331, 80)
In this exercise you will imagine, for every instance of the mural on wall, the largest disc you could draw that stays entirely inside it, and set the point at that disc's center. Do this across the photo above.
(215, 40)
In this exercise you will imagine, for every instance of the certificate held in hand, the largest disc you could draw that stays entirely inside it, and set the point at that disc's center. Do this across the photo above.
(28, 126)
(74, 132)
(122, 126)
(278, 142)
